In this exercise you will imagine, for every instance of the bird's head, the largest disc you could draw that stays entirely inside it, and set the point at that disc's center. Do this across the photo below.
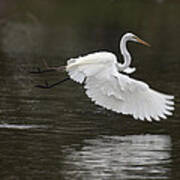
(133, 37)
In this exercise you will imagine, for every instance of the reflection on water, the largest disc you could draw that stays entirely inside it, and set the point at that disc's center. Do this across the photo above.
(21, 126)
(120, 157)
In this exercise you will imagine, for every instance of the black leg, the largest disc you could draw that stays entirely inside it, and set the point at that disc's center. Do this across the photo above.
(39, 71)
(47, 86)
(48, 69)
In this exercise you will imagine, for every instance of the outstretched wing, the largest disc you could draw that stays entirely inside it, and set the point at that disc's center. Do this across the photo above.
(120, 93)
(125, 95)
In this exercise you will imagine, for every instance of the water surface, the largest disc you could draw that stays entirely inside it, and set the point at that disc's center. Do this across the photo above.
(58, 133)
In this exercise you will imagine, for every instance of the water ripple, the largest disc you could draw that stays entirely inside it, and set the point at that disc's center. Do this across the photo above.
(21, 126)
(120, 157)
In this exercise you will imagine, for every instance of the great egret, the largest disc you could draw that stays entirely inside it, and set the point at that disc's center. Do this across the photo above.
(107, 86)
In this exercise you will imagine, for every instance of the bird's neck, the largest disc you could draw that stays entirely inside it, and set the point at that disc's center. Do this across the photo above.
(125, 54)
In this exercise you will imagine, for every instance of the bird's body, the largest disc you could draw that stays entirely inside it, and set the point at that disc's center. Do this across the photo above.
(90, 65)
(108, 87)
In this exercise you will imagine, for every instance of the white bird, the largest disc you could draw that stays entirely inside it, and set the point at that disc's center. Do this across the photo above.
(107, 86)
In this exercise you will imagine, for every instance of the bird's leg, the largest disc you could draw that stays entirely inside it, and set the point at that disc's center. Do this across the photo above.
(58, 68)
(47, 86)
(48, 69)
(39, 71)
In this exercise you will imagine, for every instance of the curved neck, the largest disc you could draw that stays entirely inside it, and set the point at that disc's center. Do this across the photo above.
(125, 54)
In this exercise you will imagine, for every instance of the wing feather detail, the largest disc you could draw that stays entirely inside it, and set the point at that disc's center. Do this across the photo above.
(129, 96)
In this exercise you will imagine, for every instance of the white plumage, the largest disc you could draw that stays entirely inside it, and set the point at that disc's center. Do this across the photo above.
(109, 88)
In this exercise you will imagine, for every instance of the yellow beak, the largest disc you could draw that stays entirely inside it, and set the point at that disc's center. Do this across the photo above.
(142, 42)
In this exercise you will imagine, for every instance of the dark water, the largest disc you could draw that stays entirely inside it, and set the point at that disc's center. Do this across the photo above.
(59, 133)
